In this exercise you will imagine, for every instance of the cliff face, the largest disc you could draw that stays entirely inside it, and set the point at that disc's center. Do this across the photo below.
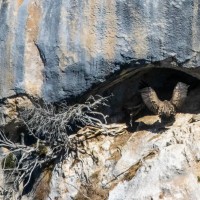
(152, 162)
(59, 49)
(143, 165)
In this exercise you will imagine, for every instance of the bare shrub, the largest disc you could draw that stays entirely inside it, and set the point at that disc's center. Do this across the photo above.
(50, 126)
(53, 123)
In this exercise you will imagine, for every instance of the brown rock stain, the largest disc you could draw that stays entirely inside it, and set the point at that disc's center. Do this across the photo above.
(148, 119)
(116, 146)
(140, 47)
(33, 20)
(43, 185)
(109, 41)
(92, 40)
(66, 55)
(33, 63)
(154, 137)
(131, 172)
(197, 170)
(19, 2)
(8, 73)
(92, 190)
(89, 37)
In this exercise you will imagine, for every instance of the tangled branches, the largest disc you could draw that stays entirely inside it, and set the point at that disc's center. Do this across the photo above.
(53, 124)
(90, 132)
(18, 164)
(50, 126)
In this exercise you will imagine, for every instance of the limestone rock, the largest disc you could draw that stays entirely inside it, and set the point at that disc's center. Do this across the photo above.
(135, 166)
(60, 49)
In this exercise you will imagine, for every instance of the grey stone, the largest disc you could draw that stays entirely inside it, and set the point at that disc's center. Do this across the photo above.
(147, 168)
(61, 49)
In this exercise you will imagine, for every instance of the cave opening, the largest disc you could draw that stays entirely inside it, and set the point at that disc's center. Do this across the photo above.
(125, 90)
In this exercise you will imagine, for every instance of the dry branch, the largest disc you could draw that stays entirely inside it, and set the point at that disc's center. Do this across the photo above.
(54, 123)
(50, 126)
(89, 132)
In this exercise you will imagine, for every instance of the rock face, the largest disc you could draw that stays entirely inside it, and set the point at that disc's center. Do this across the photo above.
(60, 49)
(144, 165)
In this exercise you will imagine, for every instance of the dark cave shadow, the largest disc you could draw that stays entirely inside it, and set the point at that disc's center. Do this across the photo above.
(155, 128)
(126, 93)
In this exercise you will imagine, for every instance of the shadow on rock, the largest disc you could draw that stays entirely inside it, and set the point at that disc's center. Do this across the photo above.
(156, 128)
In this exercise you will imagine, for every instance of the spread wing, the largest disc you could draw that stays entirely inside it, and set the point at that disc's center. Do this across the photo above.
(150, 99)
(179, 94)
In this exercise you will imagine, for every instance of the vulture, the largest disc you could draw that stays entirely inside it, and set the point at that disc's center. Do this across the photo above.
(165, 109)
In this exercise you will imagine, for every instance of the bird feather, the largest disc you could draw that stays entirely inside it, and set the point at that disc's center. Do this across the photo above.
(179, 94)
(150, 99)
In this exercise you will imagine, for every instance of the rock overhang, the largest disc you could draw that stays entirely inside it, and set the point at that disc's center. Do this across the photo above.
(59, 50)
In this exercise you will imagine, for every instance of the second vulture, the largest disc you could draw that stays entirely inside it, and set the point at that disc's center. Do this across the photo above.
(165, 109)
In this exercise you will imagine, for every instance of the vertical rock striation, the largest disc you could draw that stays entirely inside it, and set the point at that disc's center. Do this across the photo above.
(59, 49)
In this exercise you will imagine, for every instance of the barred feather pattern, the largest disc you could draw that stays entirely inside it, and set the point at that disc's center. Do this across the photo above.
(165, 108)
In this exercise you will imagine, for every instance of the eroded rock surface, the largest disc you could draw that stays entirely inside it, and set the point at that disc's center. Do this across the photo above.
(59, 49)
(147, 164)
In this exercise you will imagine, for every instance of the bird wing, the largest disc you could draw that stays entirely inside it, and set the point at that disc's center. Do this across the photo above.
(179, 94)
(150, 99)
